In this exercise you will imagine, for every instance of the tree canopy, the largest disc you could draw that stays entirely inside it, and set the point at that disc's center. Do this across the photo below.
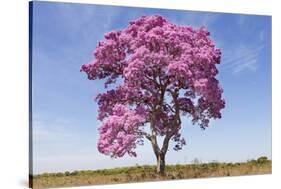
(164, 71)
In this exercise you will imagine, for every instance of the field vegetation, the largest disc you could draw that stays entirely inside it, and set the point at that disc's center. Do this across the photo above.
(148, 173)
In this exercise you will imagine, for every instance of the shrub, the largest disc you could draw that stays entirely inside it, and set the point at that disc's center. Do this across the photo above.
(262, 160)
(229, 164)
(214, 165)
(74, 173)
(204, 165)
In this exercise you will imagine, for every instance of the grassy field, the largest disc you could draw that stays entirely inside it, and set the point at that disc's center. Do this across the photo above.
(147, 173)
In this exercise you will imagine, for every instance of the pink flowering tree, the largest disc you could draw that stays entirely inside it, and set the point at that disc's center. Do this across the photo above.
(164, 71)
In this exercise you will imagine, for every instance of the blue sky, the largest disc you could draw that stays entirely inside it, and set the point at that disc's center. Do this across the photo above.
(64, 112)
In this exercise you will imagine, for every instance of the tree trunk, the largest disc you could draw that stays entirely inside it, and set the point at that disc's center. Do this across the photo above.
(161, 163)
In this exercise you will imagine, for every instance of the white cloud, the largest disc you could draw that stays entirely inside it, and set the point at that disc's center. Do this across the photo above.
(242, 58)
(250, 64)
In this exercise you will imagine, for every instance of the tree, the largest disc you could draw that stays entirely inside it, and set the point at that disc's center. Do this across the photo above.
(164, 71)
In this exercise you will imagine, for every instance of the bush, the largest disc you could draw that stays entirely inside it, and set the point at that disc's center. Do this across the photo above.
(229, 164)
(214, 165)
(74, 173)
(262, 160)
(204, 165)
(67, 173)
(237, 164)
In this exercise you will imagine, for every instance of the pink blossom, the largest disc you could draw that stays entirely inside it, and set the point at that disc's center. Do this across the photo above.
(120, 132)
(166, 71)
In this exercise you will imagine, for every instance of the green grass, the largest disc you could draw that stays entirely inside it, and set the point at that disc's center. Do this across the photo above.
(147, 173)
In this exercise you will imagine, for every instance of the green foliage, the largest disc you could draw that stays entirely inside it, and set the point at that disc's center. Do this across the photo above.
(213, 165)
(262, 160)
(74, 173)
(229, 164)
(204, 165)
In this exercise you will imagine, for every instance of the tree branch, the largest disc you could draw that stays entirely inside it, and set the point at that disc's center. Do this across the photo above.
(177, 119)
(165, 144)
(152, 80)
(153, 133)
(147, 136)
(170, 107)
